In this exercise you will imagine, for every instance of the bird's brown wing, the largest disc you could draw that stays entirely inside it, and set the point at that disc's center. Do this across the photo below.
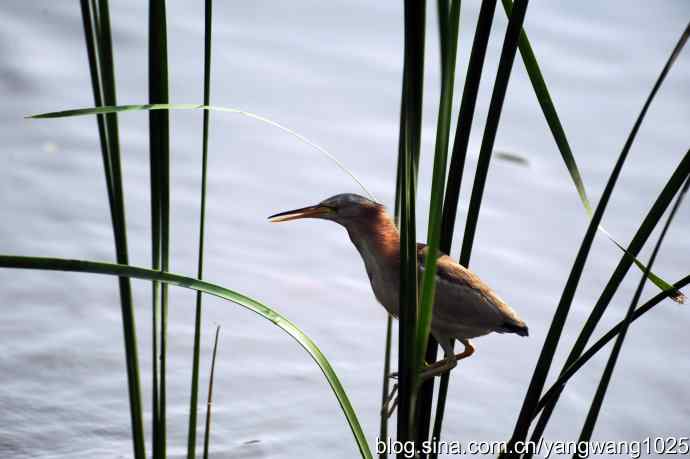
(452, 273)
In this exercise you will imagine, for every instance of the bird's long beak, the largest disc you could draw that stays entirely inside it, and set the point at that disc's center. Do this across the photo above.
(316, 211)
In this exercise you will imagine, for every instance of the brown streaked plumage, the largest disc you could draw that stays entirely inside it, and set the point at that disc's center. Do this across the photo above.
(464, 306)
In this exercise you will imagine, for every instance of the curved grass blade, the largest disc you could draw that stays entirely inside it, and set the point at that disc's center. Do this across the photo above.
(676, 295)
(69, 265)
(209, 400)
(554, 122)
(549, 110)
(193, 399)
(553, 392)
(650, 221)
(598, 400)
(263, 119)
(540, 373)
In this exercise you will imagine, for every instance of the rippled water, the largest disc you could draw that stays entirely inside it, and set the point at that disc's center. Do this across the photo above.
(332, 72)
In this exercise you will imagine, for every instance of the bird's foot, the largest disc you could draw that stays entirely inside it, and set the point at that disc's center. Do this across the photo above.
(391, 402)
(437, 369)
(429, 370)
(447, 364)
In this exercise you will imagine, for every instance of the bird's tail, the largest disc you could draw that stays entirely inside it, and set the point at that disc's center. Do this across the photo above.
(519, 328)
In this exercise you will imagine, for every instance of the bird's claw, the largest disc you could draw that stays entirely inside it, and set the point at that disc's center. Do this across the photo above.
(391, 402)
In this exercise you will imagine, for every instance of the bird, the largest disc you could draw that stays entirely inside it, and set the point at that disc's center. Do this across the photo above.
(464, 306)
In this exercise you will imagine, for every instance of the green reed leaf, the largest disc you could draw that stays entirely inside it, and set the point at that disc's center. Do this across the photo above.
(101, 68)
(209, 398)
(159, 146)
(449, 23)
(410, 138)
(263, 119)
(264, 311)
(193, 399)
(554, 122)
(602, 387)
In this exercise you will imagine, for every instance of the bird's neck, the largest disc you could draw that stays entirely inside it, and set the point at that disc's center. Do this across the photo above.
(376, 237)
(378, 242)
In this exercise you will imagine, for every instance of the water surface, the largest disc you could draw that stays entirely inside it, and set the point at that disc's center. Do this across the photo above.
(332, 72)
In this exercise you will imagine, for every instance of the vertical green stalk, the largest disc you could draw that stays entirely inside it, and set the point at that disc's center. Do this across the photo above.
(598, 400)
(191, 438)
(97, 35)
(408, 305)
(410, 132)
(465, 118)
(449, 19)
(160, 203)
(209, 401)
(109, 98)
(385, 386)
(505, 67)
(457, 166)
(438, 175)
(92, 48)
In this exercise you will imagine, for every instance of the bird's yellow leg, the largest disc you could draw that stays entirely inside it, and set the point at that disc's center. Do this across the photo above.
(447, 364)
(391, 402)
(431, 371)
(391, 395)
(389, 408)
(438, 368)
(443, 365)
(468, 351)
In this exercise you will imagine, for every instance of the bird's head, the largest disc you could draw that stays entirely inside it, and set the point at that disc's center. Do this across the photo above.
(345, 209)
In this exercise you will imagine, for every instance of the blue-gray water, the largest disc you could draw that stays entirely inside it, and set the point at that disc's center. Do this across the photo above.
(332, 71)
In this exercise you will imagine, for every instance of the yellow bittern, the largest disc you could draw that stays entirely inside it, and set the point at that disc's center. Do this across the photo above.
(464, 306)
